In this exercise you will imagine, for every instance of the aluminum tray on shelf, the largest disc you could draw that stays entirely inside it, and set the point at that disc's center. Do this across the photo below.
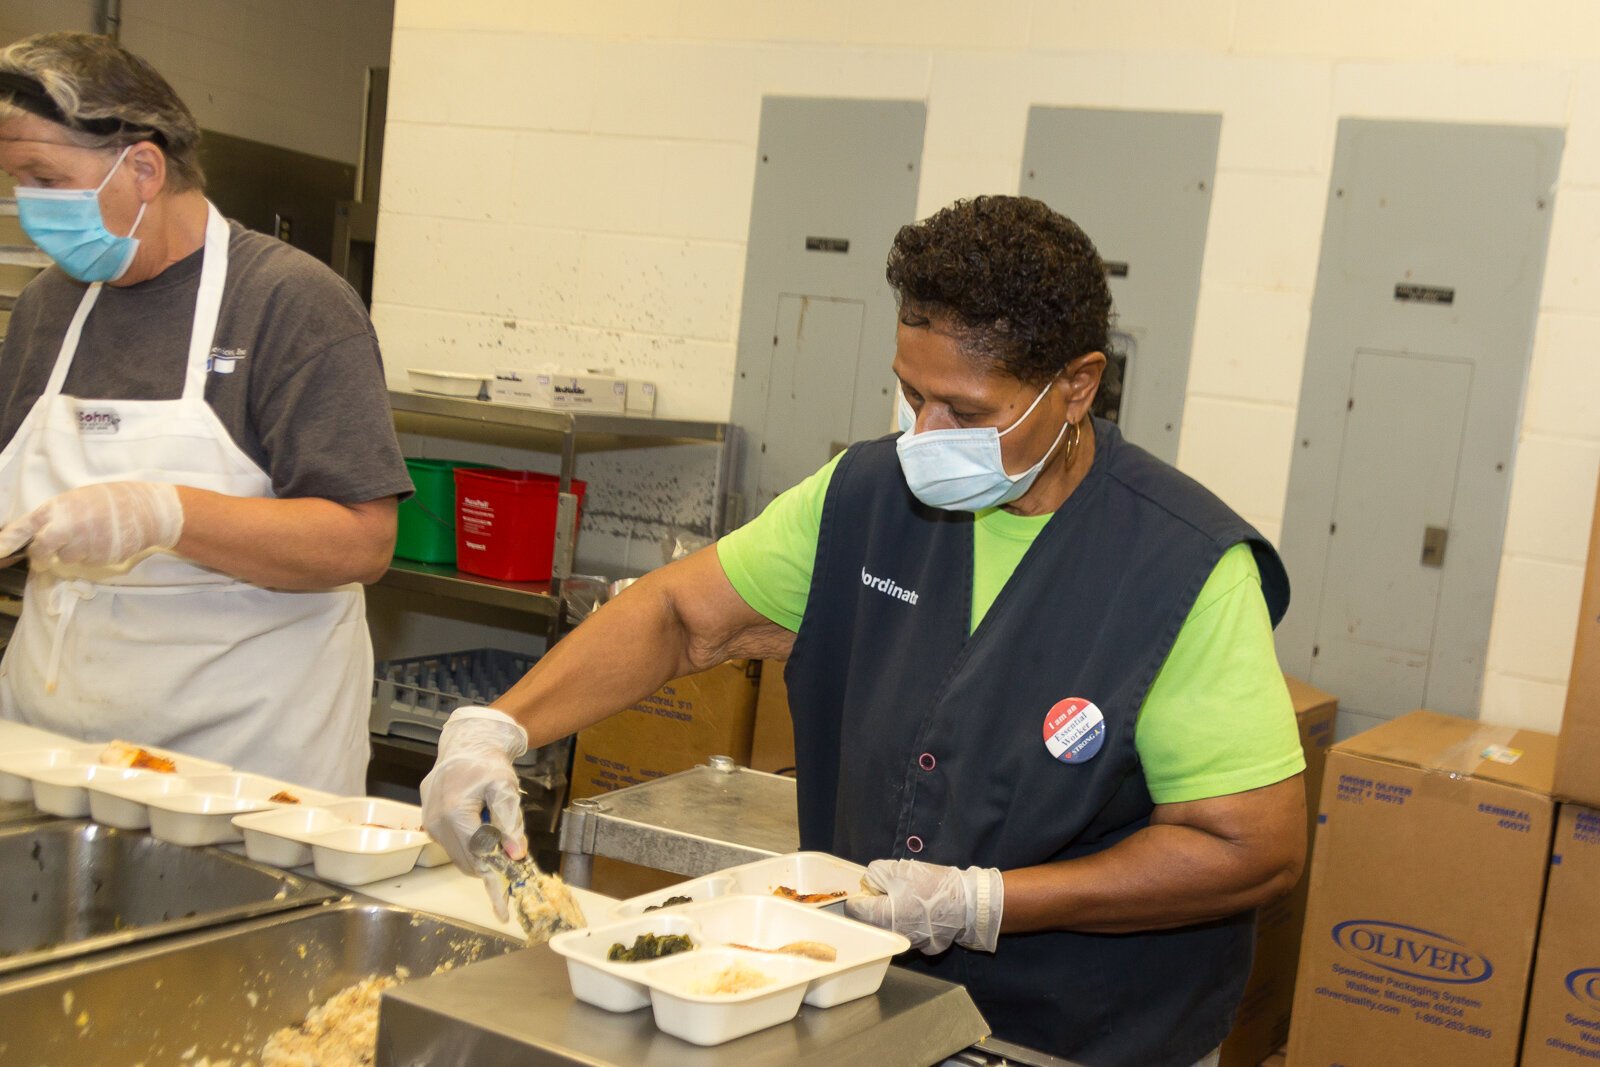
(221, 993)
(72, 888)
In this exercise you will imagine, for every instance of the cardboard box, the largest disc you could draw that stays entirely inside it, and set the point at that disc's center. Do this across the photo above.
(1262, 1024)
(772, 746)
(1426, 887)
(681, 725)
(1578, 764)
(1564, 1005)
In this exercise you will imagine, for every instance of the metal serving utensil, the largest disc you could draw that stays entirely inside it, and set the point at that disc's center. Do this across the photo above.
(528, 887)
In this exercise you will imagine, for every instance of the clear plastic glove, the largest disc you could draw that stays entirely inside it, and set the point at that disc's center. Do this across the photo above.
(473, 773)
(98, 525)
(932, 905)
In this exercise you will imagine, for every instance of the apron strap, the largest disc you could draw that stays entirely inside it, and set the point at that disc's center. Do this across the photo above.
(207, 304)
(69, 343)
(207, 308)
(64, 599)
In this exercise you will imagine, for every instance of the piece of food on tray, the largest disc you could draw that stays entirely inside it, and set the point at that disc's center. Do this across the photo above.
(807, 898)
(283, 796)
(670, 902)
(734, 979)
(811, 950)
(122, 754)
(649, 947)
(342, 1031)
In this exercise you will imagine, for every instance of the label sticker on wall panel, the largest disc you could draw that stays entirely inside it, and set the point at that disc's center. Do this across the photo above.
(1116, 269)
(827, 244)
(1407, 293)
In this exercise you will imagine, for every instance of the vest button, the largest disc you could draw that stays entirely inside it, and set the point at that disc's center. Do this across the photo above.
(914, 843)
(926, 761)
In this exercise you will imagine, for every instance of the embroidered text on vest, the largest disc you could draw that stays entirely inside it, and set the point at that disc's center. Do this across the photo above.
(888, 587)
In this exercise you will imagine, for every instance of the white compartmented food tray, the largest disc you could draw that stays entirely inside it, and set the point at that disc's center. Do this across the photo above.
(200, 810)
(449, 382)
(351, 841)
(61, 786)
(726, 932)
(17, 768)
(806, 873)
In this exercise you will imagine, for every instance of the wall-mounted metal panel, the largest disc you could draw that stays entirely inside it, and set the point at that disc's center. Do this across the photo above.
(835, 180)
(1139, 183)
(1421, 329)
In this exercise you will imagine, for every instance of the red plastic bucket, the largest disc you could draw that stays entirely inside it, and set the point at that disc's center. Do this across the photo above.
(506, 523)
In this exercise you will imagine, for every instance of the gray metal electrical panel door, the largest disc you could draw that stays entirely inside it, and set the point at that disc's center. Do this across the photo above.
(1139, 183)
(835, 180)
(1421, 330)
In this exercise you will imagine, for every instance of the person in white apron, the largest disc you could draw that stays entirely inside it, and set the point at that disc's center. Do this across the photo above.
(122, 634)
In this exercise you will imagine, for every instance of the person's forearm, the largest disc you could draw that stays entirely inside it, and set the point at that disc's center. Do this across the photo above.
(620, 655)
(1159, 877)
(293, 544)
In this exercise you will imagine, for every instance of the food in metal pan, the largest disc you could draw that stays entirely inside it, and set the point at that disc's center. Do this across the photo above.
(807, 898)
(283, 796)
(649, 947)
(342, 1031)
(670, 902)
(811, 950)
(734, 979)
(122, 754)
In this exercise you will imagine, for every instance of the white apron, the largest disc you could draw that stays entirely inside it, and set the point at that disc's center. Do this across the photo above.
(167, 652)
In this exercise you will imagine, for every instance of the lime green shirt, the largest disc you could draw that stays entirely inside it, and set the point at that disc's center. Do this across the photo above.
(1217, 719)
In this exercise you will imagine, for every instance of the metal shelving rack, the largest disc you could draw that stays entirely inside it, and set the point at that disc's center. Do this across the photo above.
(17, 256)
(565, 432)
(535, 430)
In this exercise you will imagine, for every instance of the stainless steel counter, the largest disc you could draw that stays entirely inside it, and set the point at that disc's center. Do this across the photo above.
(518, 1010)
(691, 823)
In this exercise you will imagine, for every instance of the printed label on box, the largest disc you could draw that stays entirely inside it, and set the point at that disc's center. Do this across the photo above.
(1411, 973)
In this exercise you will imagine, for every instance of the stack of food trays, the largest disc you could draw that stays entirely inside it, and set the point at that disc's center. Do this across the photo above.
(813, 879)
(60, 780)
(748, 962)
(194, 802)
(352, 841)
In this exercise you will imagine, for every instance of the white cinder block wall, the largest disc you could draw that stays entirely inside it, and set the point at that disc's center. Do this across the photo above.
(571, 182)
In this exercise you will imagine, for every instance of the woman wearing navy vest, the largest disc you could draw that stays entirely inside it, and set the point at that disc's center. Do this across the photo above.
(1030, 667)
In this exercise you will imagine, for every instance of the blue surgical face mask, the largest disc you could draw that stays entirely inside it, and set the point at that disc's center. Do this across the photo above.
(960, 469)
(68, 226)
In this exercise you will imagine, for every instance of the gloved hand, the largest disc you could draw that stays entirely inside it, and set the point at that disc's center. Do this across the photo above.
(933, 905)
(98, 525)
(473, 772)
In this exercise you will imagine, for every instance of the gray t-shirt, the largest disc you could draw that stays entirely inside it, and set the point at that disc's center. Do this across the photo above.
(304, 392)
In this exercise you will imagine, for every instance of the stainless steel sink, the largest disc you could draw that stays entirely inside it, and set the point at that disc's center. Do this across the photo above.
(13, 812)
(222, 992)
(71, 888)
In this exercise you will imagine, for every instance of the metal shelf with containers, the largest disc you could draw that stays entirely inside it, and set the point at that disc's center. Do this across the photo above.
(565, 432)
(408, 707)
(12, 255)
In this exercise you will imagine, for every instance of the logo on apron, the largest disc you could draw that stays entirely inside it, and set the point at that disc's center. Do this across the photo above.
(98, 420)
(1074, 730)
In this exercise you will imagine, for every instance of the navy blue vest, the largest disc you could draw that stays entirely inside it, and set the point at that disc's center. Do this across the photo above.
(914, 740)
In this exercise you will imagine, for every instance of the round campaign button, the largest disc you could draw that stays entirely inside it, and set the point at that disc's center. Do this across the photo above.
(1074, 730)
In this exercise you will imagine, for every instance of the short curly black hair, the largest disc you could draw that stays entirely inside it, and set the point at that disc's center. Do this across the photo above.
(1021, 285)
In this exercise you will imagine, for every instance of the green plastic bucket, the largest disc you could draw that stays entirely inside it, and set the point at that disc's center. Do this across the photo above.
(427, 521)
